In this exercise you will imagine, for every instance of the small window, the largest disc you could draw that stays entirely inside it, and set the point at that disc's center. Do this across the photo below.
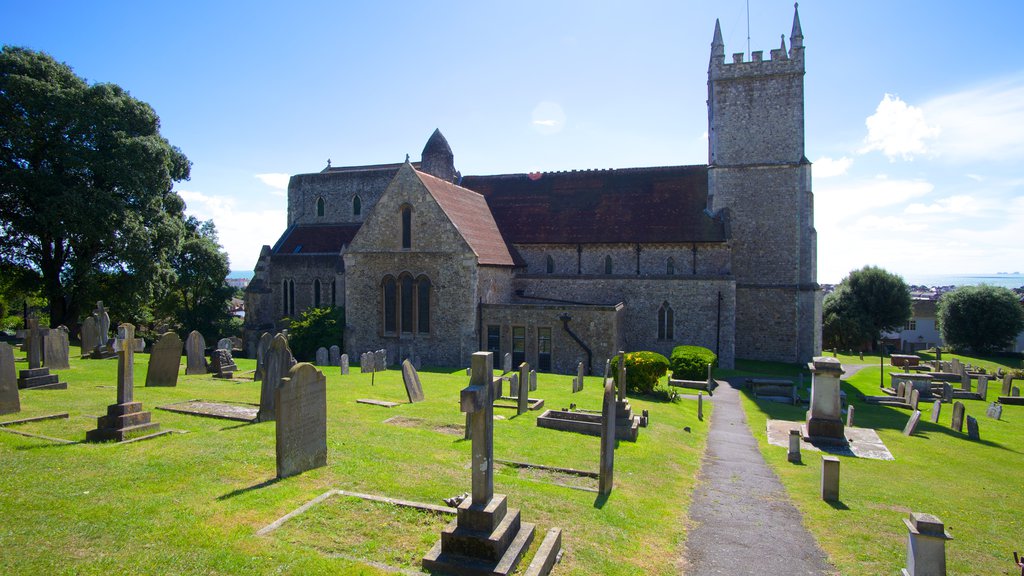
(518, 345)
(320, 207)
(670, 266)
(284, 298)
(544, 349)
(357, 206)
(607, 264)
(291, 297)
(911, 325)
(666, 322)
(334, 292)
(494, 339)
(406, 227)
(550, 265)
(316, 293)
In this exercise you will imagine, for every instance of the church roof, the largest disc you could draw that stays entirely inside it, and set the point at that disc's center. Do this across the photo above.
(468, 211)
(648, 205)
(315, 238)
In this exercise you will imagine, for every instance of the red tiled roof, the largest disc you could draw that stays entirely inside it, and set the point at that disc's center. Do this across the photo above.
(315, 238)
(469, 213)
(660, 204)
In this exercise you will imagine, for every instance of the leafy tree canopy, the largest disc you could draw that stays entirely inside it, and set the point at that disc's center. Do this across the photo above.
(866, 303)
(983, 318)
(86, 197)
(315, 328)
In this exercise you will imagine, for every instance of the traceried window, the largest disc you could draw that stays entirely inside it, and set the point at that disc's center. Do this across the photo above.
(666, 322)
(357, 206)
(406, 304)
(406, 226)
(320, 207)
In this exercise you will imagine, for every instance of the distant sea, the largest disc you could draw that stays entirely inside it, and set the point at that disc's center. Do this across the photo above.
(240, 274)
(1014, 280)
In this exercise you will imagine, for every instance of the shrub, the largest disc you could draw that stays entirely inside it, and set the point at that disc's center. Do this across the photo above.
(691, 362)
(643, 369)
(314, 328)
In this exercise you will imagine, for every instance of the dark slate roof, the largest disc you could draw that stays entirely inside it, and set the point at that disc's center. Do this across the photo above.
(315, 238)
(436, 144)
(469, 213)
(650, 205)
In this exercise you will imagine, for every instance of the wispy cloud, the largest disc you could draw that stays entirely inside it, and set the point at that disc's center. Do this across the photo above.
(984, 123)
(826, 167)
(547, 118)
(276, 180)
(241, 232)
(545, 122)
(898, 130)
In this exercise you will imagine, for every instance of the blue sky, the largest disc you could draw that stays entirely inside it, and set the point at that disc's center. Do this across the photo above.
(914, 110)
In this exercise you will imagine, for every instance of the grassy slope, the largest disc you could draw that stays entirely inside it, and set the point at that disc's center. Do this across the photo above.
(190, 503)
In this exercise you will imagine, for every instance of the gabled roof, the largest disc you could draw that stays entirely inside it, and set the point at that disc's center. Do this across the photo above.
(470, 215)
(648, 205)
(315, 238)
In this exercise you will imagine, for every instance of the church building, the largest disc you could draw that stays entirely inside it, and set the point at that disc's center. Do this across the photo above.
(562, 267)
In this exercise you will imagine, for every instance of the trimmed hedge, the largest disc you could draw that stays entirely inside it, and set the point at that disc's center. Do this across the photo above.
(691, 362)
(643, 369)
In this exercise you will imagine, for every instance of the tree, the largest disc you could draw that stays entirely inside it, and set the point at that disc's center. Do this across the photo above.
(315, 327)
(86, 180)
(866, 303)
(984, 319)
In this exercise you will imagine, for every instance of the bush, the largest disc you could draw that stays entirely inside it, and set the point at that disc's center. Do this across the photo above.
(315, 328)
(983, 318)
(691, 362)
(643, 369)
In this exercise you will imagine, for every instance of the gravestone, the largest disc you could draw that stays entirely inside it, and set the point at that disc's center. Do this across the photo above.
(225, 344)
(908, 393)
(222, 364)
(947, 392)
(901, 389)
(334, 355)
(1015, 391)
(524, 389)
(126, 418)
(958, 417)
(915, 398)
(911, 426)
(34, 343)
(506, 365)
(301, 414)
(487, 537)
(533, 380)
(277, 363)
(367, 362)
(793, 453)
(936, 410)
(261, 356)
(606, 467)
(965, 381)
(849, 417)
(829, 478)
(824, 419)
(37, 376)
(413, 388)
(380, 360)
(577, 384)
(513, 385)
(236, 343)
(994, 411)
(983, 387)
(89, 335)
(164, 361)
(195, 351)
(56, 349)
(102, 324)
(926, 545)
(344, 364)
(972, 428)
(322, 357)
(1007, 383)
(10, 402)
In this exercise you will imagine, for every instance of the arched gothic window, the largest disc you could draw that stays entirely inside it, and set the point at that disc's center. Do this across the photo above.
(407, 298)
(423, 305)
(550, 265)
(670, 266)
(406, 226)
(284, 298)
(357, 206)
(390, 294)
(320, 207)
(406, 304)
(607, 264)
(334, 292)
(666, 322)
(316, 293)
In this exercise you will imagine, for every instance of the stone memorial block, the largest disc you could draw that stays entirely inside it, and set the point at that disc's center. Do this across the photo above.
(164, 361)
(915, 398)
(322, 357)
(301, 413)
(225, 344)
(56, 349)
(506, 365)
(222, 364)
(89, 335)
(195, 351)
(413, 388)
(911, 426)
(10, 402)
(606, 467)
(829, 478)
(793, 454)
(334, 355)
(126, 418)
(983, 386)
(994, 411)
(972, 428)
(277, 362)
(926, 545)
(936, 411)
(1007, 384)
(363, 366)
(344, 364)
(261, 356)
(369, 360)
(577, 384)
(958, 417)
(824, 419)
(849, 417)
(523, 405)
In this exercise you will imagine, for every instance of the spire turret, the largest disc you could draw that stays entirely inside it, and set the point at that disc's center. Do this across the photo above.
(796, 37)
(717, 45)
(437, 158)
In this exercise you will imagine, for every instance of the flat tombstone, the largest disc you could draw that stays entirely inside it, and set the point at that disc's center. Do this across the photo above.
(915, 397)
(322, 356)
(936, 410)
(301, 412)
(334, 355)
(413, 388)
(261, 356)
(983, 386)
(225, 344)
(606, 468)
(958, 417)
(89, 336)
(9, 400)
(911, 426)
(276, 366)
(56, 349)
(344, 364)
(972, 428)
(994, 411)
(164, 361)
(506, 364)
(195, 350)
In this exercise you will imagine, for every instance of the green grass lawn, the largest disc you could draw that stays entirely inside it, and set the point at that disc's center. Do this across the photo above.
(975, 487)
(191, 503)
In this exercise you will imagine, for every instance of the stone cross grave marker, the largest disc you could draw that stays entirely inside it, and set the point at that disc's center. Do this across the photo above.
(334, 355)
(477, 400)
(225, 344)
(88, 334)
(983, 386)
(958, 417)
(125, 418)
(523, 405)
(936, 410)
(195, 350)
(261, 356)
(164, 361)
(10, 402)
(506, 365)
(301, 406)
(911, 426)
(344, 364)
(322, 357)
(413, 388)
(34, 343)
(277, 362)
(125, 346)
(606, 467)
(994, 411)
(972, 428)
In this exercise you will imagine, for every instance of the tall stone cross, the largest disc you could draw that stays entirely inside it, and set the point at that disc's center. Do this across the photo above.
(477, 401)
(125, 346)
(34, 343)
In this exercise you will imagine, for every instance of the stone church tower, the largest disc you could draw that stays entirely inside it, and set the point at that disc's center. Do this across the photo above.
(760, 181)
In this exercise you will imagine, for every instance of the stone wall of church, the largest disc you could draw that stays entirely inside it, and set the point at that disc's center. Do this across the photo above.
(690, 259)
(338, 189)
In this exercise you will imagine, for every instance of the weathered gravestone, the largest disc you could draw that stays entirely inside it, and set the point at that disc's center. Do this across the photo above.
(102, 323)
(911, 426)
(506, 364)
(277, 362)
(225, 344)
(126, 418)
(972, 428)
(936, 410)
(926, 545)
(413, 389)
(322, 357)
(830, 478)
(261, 356)
(994, 411)
(947, 392)
(523, 405)
(901, 389)
(915, 398)
(983, 387)
(533, 380)
(958, 417)
(195, 351)
(222, 364)
(344, 364)
(56, 349)
(363, 363)
(824, 419)
(487, 537)
(606, 467)
(301, 413)
(334, 355)
(513, 385)
(1015, 391)
(367, 362)
(380, 360)
(965, 381)
(164, 361)
(89, 335)
(849, 416)
(37, 376)
(577, 384)
(1007, 384)
(9, 400)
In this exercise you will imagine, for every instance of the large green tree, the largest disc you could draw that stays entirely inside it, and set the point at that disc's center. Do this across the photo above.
(86, 180)
(983, 319)
(866, 303)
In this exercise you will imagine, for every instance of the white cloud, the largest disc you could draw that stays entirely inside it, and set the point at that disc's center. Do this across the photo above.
(545, 122)
(984, 123)
(548, 118)
(826, 167)
(241, 232)
(961, 205)
(276, 180)
(898, 130)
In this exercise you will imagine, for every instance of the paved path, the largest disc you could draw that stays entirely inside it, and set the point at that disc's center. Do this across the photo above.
(743, 521)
